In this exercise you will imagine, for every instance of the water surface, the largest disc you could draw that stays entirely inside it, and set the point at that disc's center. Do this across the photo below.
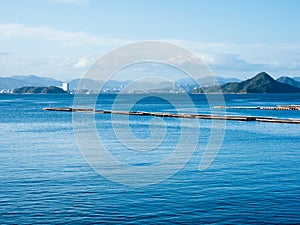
(255, 178)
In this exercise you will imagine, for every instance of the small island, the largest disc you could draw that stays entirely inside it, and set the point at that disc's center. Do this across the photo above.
(39, 90)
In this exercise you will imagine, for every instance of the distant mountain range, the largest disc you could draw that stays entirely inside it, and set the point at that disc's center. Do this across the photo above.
(289, 81)
(261, 83)
(205, 81)
(18, 81)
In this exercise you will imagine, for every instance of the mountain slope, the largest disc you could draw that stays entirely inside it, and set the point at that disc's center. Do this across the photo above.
(18, 81)
(10, 83)
(205, 81)
(289, 81)
(296, 79)
(261, 83)
(36, 80)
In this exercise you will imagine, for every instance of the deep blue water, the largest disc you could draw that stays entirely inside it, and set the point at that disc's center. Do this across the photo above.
(255, 177)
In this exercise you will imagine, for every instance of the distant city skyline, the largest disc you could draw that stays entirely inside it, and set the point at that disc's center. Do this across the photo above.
(62, 38)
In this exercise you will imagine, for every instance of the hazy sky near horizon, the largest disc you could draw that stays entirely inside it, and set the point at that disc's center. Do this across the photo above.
(235, 38)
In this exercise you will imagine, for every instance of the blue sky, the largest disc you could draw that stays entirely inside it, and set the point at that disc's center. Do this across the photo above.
(235, 38)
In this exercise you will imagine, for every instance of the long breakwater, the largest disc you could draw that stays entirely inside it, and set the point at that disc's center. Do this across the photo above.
(179, 115)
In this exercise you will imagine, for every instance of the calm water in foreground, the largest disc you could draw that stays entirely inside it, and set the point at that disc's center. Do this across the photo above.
(255, 177)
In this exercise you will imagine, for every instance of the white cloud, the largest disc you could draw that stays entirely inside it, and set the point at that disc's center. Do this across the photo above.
(68, 39)
(73, 51)
(82, 63)
(247, 59)
(59, 67)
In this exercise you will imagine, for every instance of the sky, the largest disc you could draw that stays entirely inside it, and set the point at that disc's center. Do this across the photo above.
(234, 38)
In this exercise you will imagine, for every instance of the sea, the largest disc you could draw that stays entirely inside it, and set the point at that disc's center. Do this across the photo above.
(48, 175)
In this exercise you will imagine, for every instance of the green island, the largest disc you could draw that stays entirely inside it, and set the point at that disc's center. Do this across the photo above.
(261, 83)
(39, 90)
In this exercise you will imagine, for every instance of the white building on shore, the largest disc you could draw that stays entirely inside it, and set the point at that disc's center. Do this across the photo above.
(66, 87)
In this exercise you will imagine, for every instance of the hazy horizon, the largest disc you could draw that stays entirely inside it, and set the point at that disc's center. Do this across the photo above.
(155, 79)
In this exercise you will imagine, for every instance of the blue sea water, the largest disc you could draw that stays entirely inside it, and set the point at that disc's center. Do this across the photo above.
(255, 177)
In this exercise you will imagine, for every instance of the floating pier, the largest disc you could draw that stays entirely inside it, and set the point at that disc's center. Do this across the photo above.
(279, 107)
(179, 115)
